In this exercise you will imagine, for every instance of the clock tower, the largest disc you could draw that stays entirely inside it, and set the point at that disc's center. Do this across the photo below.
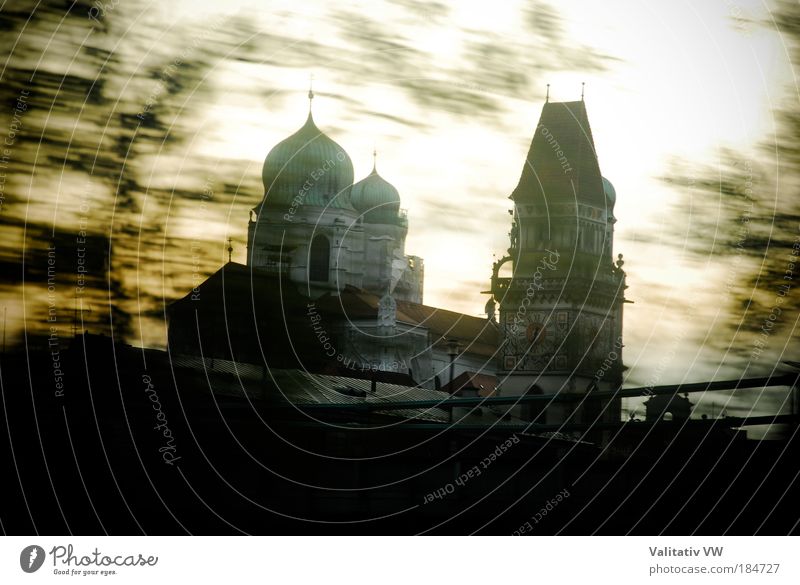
(561, 292)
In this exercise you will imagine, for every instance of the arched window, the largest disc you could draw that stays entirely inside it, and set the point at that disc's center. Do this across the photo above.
(319, 259)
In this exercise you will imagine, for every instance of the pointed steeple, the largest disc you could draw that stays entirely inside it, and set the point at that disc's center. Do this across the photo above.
(561, 162)
(310, 93)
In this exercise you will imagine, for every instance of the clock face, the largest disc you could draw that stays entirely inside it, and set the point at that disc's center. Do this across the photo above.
(539, 334)
(535, 333)
(532, 341)
(556, 340)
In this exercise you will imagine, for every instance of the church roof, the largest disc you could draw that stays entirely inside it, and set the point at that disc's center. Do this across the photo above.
(561, 165)
(225, 312)
(232, 292)
(475, 334)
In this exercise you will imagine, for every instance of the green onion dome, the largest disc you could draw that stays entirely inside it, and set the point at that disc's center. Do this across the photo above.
(307, 168)
(376, 199)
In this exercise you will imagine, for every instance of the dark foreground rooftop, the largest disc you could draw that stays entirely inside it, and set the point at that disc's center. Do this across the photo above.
(151, 443)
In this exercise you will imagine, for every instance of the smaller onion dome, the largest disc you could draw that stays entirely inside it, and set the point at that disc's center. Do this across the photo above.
(610, 192)
(376, 198)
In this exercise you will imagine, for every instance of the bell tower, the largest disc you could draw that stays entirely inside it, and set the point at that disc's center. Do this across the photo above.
(560, 310)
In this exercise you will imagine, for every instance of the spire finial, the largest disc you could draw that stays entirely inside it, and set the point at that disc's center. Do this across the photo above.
(374, 160)
(230, 248)
(310, 90)
(583, 88)
(547, 97)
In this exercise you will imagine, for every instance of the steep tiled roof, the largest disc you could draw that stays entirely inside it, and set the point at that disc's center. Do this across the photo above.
(562, 163)
(474, 334)
(257, 292)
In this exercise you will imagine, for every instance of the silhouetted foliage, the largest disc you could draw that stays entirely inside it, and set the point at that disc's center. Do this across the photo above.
(744, 214)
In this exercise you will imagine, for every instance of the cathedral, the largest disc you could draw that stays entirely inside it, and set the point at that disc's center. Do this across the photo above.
(325, 232)
(329, 288)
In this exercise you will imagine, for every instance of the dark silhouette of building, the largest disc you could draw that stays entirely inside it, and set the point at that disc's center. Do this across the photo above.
(666, 407)
(561, 308)
(291, 400)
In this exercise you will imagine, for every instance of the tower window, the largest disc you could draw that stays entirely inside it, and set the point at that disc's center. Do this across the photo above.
(319, 259)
